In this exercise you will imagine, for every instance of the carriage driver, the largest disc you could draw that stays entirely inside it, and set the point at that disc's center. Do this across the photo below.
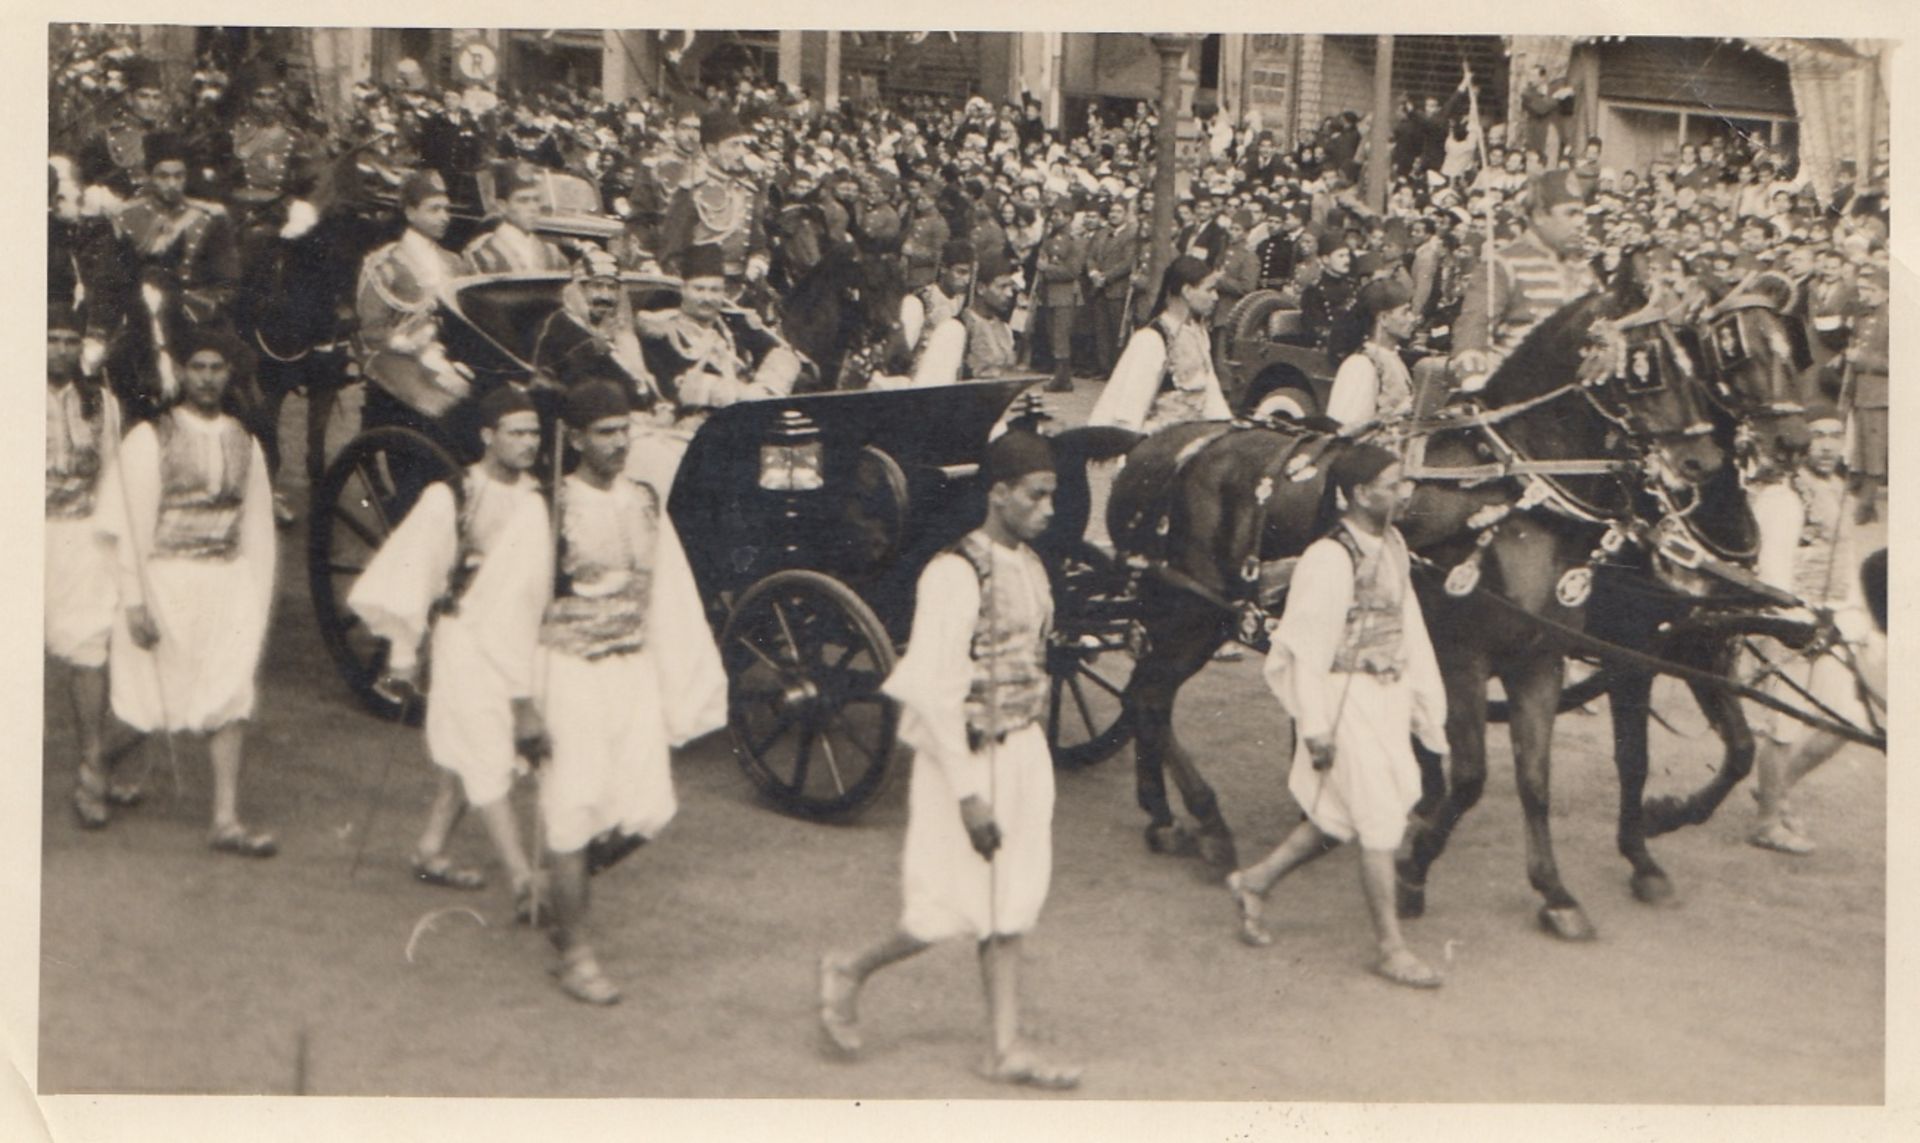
(1352, 664)
(972, 686)
(710, 354)
(398, 342)
(1522, 282)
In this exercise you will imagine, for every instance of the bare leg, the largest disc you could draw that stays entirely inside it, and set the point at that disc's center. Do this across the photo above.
(223, 750)
(88, 687)
(504, 830)
(1014, 1061)
(1781, 767)
(578, 972)
(1397, 962)
(841, 978)
(1251, 885)
(449, 805)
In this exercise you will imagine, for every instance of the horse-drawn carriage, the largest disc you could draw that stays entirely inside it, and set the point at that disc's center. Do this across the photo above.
(806, 520)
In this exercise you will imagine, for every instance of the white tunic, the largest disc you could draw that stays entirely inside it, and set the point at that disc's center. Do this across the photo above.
(476, 674)
(1135, 397)
(80, 592)
(612, 718)
(947, 888)
(211, 613)
(1373, 383)
(1374, 780)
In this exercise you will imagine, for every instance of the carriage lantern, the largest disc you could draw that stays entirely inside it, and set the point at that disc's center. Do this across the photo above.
(791, 461)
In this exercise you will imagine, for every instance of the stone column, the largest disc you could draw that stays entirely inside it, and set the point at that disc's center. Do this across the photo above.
(1166, 149)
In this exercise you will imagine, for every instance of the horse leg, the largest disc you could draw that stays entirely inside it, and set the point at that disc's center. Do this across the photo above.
(1729, 721)
(1466, 673)
(1628, 700)
(1533, 699)
(1177, 648)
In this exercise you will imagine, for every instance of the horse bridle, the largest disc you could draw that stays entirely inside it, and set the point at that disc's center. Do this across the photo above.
(1720, 388)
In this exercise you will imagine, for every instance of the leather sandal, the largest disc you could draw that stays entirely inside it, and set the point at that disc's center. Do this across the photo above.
(580, 977)
(236, 840)
(440, 871)
(1402, 967)
(609, 849)
(837, 1016)
(1022, 1067)
(1252, 932)
(90, 801)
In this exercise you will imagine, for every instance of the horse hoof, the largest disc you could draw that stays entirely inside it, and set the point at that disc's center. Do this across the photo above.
(1171, 841)
(1410, 900)
(1569, 923)
(1217, 850)
(1653, 889)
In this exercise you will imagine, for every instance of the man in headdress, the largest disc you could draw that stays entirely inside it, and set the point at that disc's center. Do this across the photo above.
(1524, 281)
(114, 158)
(1352, 665)
(274, 160)
(83, 434)
(624, 667)
(923, 310)
(972, 686)
(1373, 382)
(433, 575)
(710, 354)
(188, 269)
(1807, 549)
(513, 246)
(719, 206)
(594, 332)
(976, 344)
(189, 513)
(398, 341)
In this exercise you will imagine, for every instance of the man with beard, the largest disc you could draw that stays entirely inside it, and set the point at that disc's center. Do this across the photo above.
(594, 332)
(83, 434)
(978, 856)
(114, 158)
(188, 268)
(978, 343)
(720, 206)
(513, 246)
(621, 667)
(710, 355)
(1523, 282)
(189, 514)
(432, 574)
(398, 342)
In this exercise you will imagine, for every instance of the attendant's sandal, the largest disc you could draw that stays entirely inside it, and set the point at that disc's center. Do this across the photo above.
(1247, 901)
(90, 798)
(1020, 1066)
(580, 977)
(235, 839)
(1402, 967)
(440, 871)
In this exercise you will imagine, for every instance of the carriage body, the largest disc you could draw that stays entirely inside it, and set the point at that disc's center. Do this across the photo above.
(806, 520)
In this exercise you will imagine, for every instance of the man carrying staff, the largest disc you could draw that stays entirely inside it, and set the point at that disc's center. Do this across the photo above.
(189, 512)
(1352, 664)
(434, 572)
(83, 433)
(973, 687)
(1373, 381)
(623, 666)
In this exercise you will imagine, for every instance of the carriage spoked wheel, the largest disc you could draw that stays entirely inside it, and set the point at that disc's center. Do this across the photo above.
(1089, 660)
(805, 658)
(365, 493)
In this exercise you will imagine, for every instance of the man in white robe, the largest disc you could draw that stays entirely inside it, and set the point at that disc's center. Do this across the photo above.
(1352, 664)
(433, 572)
(972, 687)
(189, 512)
(1166, 376)
(83, 434)
(624, 667)
(977, 342)
(1805, 549)
(1373, 382)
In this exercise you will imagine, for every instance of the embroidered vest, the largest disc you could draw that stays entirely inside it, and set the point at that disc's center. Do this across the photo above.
(605, 580)
(938, 307)
(1371, 642)
(471, 539)
(1008, 690)
(989, 344)
(1182, 395)
(73, 454)
(200, 510)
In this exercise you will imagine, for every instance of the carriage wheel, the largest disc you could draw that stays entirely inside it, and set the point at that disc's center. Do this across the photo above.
(879, 506)
(366, 491)
(1090, 660)
(805, 658)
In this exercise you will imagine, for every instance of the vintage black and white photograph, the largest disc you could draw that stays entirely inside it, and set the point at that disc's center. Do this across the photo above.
(1279, 566)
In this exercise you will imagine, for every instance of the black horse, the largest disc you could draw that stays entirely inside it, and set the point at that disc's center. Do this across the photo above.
(1207, 505)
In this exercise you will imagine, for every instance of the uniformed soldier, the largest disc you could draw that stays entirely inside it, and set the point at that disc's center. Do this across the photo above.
(398, 342)
(114, 158)
(1062, 259)
(926, 235)
(188, 268)
(1525, 280)
(711, 354)
(719, 206)
(512, 246)
(273, 160)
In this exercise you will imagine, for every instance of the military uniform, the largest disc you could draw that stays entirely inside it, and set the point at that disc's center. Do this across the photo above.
(715, 209)
(116, 157)
(707, 367)
(1062, 261)
(508, 249)
(398, 343)
(1111, 252)
(191, 255)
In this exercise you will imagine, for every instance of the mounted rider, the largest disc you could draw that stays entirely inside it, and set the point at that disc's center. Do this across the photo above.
(720, 205)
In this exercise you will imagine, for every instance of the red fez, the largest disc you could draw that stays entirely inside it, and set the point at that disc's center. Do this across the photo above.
(703, 260)
(163, 146)
(60, 315)
(957, 252)
(1017, 453)
(1358, 465)
(719, 125)
(593, 402)
(504, 401)
(1551, 188)
(421, 186)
